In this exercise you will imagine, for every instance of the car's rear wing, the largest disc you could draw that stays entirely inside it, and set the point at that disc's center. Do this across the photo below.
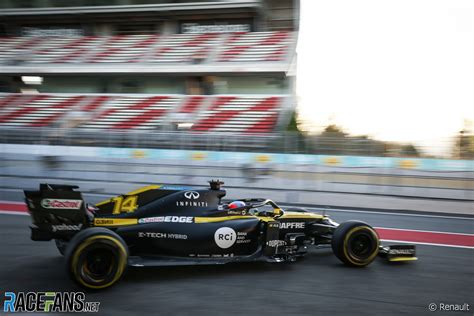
(57, 211)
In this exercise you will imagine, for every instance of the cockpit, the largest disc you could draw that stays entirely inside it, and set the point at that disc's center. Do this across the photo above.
(256, 207)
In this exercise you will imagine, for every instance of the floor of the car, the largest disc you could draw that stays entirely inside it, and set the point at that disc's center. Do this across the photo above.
(153, 261)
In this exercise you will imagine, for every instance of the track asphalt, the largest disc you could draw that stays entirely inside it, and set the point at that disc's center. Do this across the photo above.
(316, 285)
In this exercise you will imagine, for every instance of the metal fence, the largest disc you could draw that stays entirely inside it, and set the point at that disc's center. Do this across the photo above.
(283, 142)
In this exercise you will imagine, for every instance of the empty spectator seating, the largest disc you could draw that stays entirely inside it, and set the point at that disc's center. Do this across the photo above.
(123, 49)
(133, 113)
(177, 48)
(183, 48)
(35, 110)
(220, 113)
(256, 47)
(252, 114)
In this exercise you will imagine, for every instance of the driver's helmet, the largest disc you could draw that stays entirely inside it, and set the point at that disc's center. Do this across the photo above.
(236, 204)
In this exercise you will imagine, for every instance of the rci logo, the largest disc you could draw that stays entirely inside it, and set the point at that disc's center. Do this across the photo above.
(225, 237)
(191, 195)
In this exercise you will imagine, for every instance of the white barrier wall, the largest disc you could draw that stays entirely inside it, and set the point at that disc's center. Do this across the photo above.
(164, 155)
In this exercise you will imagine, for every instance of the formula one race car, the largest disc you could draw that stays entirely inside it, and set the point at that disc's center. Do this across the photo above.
(168, 225)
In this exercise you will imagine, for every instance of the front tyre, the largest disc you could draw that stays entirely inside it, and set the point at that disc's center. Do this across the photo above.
(355, 243)
(96, 258)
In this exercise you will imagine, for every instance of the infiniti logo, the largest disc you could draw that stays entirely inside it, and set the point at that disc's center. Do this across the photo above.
(191, 195)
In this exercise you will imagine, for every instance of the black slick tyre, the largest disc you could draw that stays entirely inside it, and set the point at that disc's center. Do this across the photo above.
(96, 258)
(355, 243)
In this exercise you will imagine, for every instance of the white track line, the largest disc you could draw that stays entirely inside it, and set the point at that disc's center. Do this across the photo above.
(385, 240)
(426, 231)
(12, 202)
(426, 243)
(331, 210)
(390, 213)
(14, 212)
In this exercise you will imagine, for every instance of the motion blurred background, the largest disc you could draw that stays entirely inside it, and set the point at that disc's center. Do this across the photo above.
(362, 110)
(114, 94)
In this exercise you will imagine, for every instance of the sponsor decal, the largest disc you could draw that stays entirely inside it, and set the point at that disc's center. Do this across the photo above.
(198, 156)
(332, 161)
(191, 203)
(51, 31)
(166, 219)
(263, 158)
(242, 238)
(63, 227)
(191, 195)
(139, 154)
(99, 221)
(292, 225)
(230, 212)
(52, 302)
(162, 235)
(273, 225)
(401, 251)
(227, 255)
(407, 164)
(114, 221)
(61, 204)
(276, 243)
(225, 237)
(174, 187)
(177, 236)
(195, 28)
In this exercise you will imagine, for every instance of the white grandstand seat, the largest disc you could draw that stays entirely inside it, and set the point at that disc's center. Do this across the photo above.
(256, 47)
(37, 111)
(123, 49)
(48, 49)
(236, 113)
(255, 114)
(177, 48)
(17, 48)
(184, 48)
(192, 104)
(133, 112)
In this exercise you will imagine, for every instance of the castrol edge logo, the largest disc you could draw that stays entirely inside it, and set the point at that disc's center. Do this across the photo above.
(61, 204)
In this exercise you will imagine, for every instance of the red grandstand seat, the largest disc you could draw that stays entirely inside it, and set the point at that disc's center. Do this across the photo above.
(237, 114)
(176, 48)
(227, 113)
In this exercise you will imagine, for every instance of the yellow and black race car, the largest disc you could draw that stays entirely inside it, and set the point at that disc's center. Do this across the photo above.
(161, 225)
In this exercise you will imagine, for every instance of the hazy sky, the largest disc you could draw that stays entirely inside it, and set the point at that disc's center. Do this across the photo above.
(395, 70)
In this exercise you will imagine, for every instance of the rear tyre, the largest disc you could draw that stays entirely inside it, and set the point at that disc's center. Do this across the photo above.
(61, 245)
(355, 243)
(96, 258)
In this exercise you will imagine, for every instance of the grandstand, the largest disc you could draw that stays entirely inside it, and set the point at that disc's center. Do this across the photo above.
(144, 65)
(177, 48)
(229, 113)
